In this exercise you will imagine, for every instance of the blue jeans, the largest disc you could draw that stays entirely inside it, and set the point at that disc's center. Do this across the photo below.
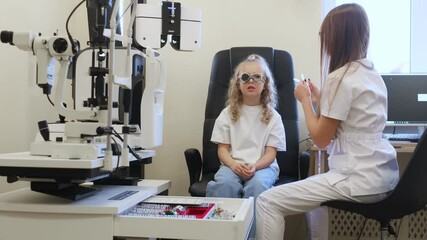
(228, 184)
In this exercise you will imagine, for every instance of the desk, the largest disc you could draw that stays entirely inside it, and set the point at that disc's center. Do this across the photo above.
(25, 214)
(320, 156)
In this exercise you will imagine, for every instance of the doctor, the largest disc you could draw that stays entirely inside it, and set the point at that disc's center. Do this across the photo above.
(353, 110)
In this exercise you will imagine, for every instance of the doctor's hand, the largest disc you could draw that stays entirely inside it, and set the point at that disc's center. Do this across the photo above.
(302, 91)
(315, 92)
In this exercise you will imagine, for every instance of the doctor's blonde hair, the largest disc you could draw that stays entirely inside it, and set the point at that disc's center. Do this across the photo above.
(268, 95)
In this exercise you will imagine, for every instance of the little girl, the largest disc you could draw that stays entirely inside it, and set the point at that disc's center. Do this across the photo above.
(249, 131)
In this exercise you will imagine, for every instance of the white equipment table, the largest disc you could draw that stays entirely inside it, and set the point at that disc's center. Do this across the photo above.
(25, 214)
(102, 214)
(25, 159)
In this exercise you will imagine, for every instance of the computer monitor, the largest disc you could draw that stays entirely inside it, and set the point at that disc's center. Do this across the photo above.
(407, 99)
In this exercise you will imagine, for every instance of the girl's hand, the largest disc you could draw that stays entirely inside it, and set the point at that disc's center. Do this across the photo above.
(248, 171)
(238, 168)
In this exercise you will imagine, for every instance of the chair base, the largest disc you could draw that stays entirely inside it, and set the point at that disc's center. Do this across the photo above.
(386, 231)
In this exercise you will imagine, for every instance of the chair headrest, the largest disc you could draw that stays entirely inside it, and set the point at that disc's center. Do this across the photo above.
(238, 54)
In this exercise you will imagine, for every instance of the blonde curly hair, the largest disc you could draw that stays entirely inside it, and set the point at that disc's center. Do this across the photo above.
(268, 95)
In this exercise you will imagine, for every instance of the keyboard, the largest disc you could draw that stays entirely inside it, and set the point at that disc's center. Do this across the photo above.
(411, 137)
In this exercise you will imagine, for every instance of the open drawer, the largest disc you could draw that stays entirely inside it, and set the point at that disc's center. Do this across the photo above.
(237, 227)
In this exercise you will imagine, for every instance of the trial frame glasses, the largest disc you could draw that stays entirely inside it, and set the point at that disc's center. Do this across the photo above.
(256, 77)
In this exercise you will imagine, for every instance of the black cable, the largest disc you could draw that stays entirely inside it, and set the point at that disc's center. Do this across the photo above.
(66, 26)
(48, 98)
(130, 149)
(118, 153)
(361, 230)
(398, 228)
(305, 139)
(117, 135)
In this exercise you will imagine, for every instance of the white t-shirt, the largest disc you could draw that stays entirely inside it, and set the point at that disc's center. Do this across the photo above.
(359, 152)
(249, 136)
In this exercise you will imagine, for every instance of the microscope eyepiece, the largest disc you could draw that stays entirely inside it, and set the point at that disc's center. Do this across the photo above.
(60, 45)
(6, 37)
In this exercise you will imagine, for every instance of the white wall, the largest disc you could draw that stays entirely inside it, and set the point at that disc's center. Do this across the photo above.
(291, 25)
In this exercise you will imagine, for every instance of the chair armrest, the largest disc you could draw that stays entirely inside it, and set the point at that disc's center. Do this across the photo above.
(303, 164)
(194, 164)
